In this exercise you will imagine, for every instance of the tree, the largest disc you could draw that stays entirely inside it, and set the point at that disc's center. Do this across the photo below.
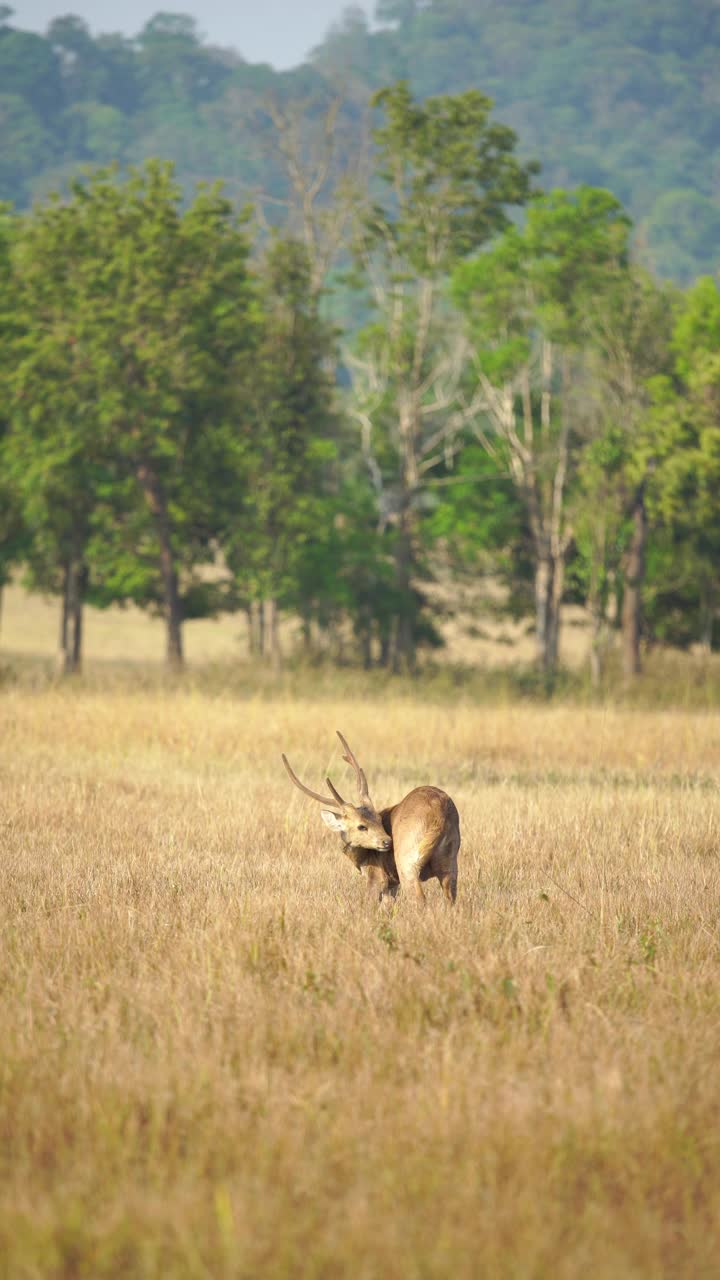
(12, 530)
(30, 69)
(81, 66)
(527, 300)
(288, 445)
(682, 234)
(27, 146)
(325, 165)
(684, 488)
(138, 318)
(54, 452)
(601, 93)
(447, 174)
(174, 67)
(396, 11)
(627, 335)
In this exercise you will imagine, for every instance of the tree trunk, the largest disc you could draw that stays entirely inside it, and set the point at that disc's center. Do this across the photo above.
(364, 634)
(404, 659)
(555, 618)
(307, 635)
(596, 604)
(69, 659)
(404, 649)
(386, 631)
(75, 615)
(632, 598)
(708, 609)
(256, 629)
(174, 656)
(549, 585)
(543, 598)
(270, 632)
(260, 616)
(61, 661)
(155, 499)
(597, 644)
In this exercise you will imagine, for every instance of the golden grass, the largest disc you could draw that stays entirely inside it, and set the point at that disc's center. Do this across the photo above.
(218, 1060)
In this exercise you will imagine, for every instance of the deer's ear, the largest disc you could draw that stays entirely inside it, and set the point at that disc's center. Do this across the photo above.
(332, 820)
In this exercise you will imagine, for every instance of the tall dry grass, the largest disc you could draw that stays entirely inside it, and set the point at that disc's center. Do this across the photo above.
(218, 1060)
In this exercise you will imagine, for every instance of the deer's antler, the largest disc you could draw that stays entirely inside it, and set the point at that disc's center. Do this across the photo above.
(349, 758)
(337, 800)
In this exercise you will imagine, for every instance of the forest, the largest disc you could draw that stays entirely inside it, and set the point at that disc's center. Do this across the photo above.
(392, 349)
(618, 95)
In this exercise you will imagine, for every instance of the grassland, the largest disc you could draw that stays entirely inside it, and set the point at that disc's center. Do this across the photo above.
(217, 1059)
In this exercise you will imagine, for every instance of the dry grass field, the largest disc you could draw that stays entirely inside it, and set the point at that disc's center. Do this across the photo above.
(217, 1059)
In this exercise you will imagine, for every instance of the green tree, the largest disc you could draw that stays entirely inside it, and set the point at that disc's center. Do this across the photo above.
(682, 233)
(627, 333)
(684, 490)
(29, 68)
(174, 67)
(614, 96)
(12, 530)
(27, 147)
(447, 176)
(527, 301)
(290, 444)
(54, 450)
(479, 525)
(131, 363)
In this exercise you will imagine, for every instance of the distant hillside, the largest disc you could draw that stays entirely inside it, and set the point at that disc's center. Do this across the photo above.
(618, 93)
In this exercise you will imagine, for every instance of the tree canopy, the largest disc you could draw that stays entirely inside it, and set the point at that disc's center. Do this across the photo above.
(620, 96)
(181, 426)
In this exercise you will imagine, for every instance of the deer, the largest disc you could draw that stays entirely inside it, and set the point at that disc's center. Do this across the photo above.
(401, 846)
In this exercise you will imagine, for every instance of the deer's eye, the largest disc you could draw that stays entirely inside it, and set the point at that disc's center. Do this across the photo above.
(361, 827)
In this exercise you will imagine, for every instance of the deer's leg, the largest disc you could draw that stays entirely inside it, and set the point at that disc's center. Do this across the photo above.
(444, 865)
(378, 882)
(412, 888)
(448, 881)
(446, 871)
(411, 863)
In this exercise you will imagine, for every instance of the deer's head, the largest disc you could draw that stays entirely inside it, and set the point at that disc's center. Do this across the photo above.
(359, 824)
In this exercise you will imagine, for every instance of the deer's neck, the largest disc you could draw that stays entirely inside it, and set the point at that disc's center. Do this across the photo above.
(361, 857)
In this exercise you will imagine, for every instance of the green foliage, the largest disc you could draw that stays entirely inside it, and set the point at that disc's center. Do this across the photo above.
(13, 538)
(620, 97)
(603, 94)
(27, 147)
(448, 178)
(547, 273)
(288, 449)
(680, 233)
(51, 450)
(166, 407)
(453, 173)
(29, 69)
(136, 317)
(684, 581)
(477, 513)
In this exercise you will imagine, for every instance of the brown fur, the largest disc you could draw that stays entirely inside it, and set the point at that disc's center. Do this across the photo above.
(425, 829)
(405, 844)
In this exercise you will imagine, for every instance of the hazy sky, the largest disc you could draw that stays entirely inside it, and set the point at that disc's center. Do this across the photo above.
(277, 31)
